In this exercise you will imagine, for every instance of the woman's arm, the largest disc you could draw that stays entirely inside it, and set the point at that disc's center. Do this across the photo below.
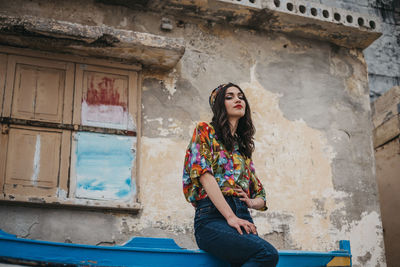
(214, 193)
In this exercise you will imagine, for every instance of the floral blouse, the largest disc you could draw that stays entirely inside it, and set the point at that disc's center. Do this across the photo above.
(206, 153)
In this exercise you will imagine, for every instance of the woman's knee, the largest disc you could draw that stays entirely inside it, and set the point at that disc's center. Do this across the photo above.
(269, 255)
(275, 256)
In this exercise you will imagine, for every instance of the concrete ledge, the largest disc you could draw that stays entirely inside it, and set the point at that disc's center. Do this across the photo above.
(301, 18)
(133, 208)
(339, 26)
(150, 50)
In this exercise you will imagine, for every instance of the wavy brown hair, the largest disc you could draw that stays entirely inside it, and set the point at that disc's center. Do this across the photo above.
(245, 130)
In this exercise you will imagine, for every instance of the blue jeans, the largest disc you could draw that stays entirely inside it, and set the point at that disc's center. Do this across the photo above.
(214, 235)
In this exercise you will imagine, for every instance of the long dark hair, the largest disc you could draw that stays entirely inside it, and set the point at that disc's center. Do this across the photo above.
(245, 130)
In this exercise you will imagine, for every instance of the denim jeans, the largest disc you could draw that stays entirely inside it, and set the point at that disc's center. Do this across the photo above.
(214, 235)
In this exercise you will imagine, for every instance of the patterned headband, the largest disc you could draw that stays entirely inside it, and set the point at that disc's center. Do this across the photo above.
(214, 93)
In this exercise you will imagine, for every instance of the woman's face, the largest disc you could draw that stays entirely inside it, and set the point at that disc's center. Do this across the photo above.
(234, 103)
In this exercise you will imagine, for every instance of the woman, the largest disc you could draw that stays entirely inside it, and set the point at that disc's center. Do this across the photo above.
(220, 181)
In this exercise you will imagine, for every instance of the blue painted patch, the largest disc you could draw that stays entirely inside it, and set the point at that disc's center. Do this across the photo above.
(92, 184)
(122, 193)
(104, 165)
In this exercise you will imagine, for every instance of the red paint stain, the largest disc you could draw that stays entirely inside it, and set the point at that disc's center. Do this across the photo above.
(104, 92)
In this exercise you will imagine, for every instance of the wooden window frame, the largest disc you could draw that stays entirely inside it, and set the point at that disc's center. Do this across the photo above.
(71, 123)
(3, 73)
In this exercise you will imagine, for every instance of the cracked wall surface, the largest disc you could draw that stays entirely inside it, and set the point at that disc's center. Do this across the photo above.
(314, 155)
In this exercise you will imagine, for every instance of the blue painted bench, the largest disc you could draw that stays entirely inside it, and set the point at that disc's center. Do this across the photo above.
(144, 251)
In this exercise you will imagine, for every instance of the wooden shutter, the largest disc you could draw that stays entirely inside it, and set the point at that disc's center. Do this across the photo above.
(36, 161)
(39, 89)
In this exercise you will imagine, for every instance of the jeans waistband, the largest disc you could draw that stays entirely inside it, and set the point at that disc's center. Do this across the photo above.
(233, 201)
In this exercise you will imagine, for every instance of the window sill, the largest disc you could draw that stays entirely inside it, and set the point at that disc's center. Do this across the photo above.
(76, 204)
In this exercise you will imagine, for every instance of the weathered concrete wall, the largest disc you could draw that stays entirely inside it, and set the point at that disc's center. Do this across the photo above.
(383, 56)
(314, 153)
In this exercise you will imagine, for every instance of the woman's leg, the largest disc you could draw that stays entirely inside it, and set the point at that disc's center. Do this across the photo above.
(223, 241)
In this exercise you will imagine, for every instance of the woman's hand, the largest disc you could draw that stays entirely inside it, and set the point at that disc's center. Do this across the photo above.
(238, 223)
(252, 203)
(244, 197)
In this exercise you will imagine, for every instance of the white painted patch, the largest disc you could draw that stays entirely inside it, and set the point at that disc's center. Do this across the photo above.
(124, 22)
(62, 194)
(131, 123)
(172, 129)
(253, 72)
(365, 237)
(36, 161)
(159, 120)
(163, 131)
(107, 116)
(170, 83)
(331, 193)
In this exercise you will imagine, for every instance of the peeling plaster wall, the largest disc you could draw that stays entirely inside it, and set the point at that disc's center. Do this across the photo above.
(314, 155)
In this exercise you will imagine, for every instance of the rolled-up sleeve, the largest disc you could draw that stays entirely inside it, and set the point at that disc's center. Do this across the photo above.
(198, 160)
(256, 187)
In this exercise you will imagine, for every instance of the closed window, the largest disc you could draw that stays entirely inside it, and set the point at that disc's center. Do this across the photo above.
(68, 132)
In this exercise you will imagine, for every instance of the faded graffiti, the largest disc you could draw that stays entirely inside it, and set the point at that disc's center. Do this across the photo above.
(104, 166)
(105, 102)
(105, 92)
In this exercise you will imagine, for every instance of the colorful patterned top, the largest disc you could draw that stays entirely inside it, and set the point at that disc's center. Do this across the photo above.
(206, 153)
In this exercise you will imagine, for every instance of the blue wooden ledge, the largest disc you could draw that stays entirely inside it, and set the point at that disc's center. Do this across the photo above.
(144, 251)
